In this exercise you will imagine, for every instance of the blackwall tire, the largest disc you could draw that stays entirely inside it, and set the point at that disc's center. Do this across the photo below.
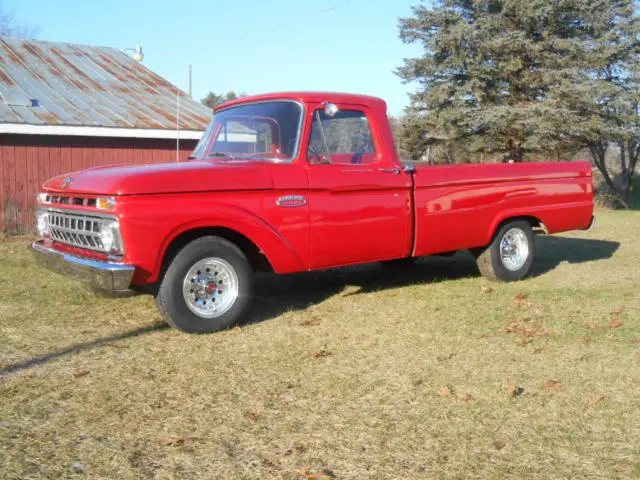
(510, 255)
(207, 287)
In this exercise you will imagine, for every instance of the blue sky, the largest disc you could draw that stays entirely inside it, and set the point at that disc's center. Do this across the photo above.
(244, 45)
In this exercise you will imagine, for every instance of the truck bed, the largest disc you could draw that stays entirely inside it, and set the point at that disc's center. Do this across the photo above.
(460, 206)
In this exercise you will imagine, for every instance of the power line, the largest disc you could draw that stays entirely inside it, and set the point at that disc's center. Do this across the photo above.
(280, 26)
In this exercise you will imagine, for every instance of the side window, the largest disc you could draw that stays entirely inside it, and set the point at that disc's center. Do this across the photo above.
(344, 138)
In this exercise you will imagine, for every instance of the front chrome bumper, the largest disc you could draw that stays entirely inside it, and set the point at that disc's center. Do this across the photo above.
(110, 277)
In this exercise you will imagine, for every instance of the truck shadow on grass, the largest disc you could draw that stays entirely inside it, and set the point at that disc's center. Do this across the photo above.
(79, 347)
(278, 294)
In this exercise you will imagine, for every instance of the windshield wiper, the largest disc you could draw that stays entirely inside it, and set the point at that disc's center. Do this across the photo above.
(221, 154)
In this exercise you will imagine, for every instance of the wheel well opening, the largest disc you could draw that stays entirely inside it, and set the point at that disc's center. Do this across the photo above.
(256, 257)
(536, 224)
(538, 227)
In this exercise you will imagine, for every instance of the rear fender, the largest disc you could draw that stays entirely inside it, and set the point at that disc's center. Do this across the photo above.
(551, 218)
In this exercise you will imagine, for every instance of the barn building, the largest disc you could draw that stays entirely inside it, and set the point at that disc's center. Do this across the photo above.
(66, 107)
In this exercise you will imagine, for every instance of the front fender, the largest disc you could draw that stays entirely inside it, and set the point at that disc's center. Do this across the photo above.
(278, 250)
(149, 226)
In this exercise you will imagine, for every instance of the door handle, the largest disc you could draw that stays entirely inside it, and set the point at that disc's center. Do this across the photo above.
(395, 171)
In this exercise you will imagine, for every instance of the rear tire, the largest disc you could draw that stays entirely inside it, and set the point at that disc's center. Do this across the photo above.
(207, 287)
(510, 255)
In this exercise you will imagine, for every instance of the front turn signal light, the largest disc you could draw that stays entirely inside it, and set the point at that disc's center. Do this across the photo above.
(105, 203)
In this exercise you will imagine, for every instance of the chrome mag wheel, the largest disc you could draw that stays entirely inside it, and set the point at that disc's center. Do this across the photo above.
(210, 287)
(514, 249)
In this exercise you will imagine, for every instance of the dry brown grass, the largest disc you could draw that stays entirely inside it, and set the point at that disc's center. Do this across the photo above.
(351, 374)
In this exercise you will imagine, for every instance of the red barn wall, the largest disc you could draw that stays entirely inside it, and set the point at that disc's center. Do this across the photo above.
(27, 161)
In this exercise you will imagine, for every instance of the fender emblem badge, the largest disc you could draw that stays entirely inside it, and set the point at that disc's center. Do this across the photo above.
(66, 182)
(289, 201)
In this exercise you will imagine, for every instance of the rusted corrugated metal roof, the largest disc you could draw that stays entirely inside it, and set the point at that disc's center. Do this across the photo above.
(48, 83)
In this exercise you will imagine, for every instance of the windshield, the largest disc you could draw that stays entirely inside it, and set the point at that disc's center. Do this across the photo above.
(262, 131)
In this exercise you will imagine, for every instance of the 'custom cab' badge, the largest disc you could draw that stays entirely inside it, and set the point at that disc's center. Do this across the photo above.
(292, 201)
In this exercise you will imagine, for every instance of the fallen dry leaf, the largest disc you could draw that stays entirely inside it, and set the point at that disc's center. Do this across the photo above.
(514, 391)
(310, 323)
(616, 313)
(466, 399)
(538, 350)
(592, 326)
(615, 323)
(522, 304)
(301, 446)
(635, 341)
(486, 289)
(513, 327)
(446, 391)
(611, 336)
(498, 444)
(634, 380)
(320, 353)
(583, 340)
(177, 441)
(594, 400)
(114, 345)
(520, 296)
(81, 373)
(522, 341)
(310, 475)
(442, 358)
(252, 415)
(552, 384)
(484, 336)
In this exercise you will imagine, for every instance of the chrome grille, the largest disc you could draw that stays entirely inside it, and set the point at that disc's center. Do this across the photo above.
(77, 229)
(56, 198)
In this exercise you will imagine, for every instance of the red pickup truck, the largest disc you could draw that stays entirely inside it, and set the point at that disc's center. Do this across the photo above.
(292, 182)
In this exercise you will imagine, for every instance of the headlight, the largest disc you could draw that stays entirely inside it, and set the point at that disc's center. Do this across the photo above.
(110, 238)
(44, 198)
(42, 224)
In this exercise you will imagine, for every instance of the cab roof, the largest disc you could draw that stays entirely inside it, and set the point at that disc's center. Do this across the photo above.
(312, 97)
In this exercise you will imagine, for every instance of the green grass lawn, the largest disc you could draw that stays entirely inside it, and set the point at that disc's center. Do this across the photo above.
(357, 373)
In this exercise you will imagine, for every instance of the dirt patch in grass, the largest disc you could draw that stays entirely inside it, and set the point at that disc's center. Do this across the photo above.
(357, 373)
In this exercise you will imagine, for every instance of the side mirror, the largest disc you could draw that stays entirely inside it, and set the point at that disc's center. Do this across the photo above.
(331, 109)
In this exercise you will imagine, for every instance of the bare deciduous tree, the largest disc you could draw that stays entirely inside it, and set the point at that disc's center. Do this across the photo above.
(10, 27)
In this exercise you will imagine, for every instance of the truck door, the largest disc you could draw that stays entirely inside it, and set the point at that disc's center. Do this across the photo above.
(360, 200)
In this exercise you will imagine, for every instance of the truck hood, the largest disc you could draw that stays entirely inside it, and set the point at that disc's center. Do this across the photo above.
(192, 176)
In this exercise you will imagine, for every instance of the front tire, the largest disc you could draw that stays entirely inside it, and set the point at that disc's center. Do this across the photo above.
(510, 255)
(207, 287)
